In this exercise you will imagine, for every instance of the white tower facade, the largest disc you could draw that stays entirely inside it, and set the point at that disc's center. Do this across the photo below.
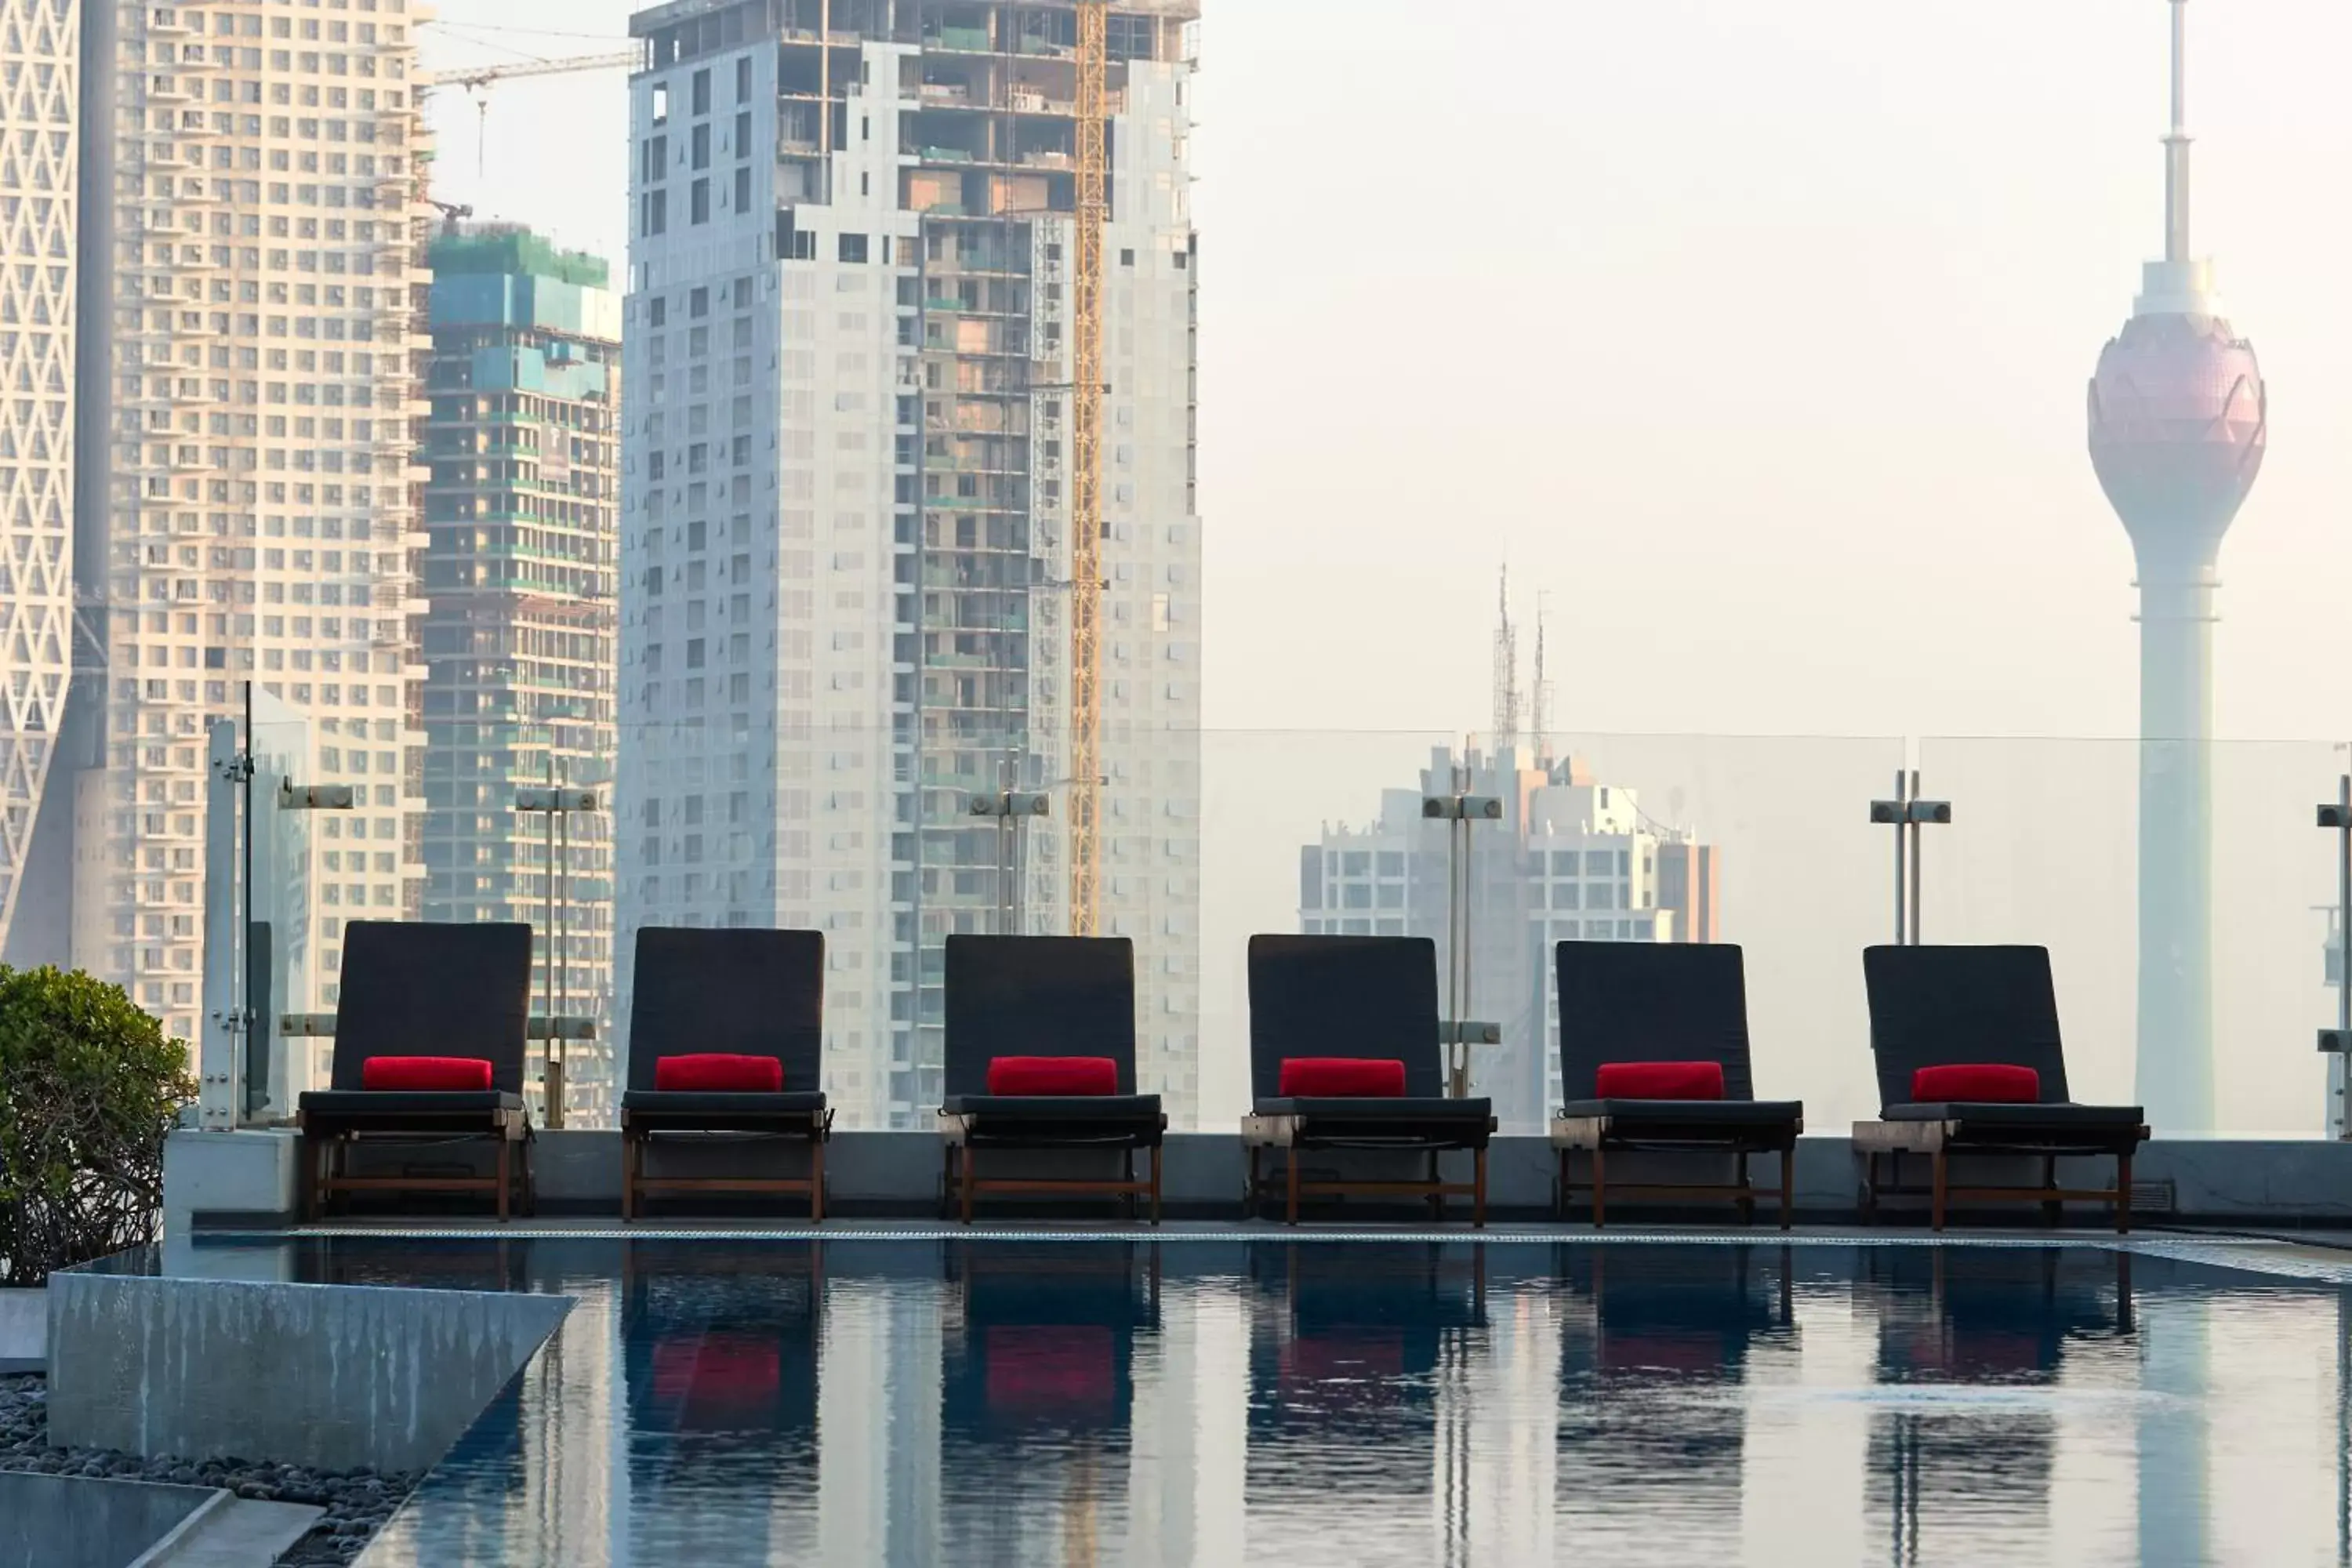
(266, 286)
(40, 141)
(845, 551)
(1572, 859)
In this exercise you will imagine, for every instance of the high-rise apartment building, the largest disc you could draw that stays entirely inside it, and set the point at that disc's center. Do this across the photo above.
(1569, 860)
(848, 485)
(521, 584)
(264, 273)
(40, 142)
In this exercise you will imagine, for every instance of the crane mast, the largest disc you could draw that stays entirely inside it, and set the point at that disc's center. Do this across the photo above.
(1086, 511)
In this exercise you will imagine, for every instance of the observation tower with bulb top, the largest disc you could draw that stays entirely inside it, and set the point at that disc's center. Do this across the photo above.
(2179, 422)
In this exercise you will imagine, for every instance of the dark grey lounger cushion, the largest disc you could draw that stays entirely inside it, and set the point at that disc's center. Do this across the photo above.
(400, 1103)
(1693, 1112)
(707, 1102)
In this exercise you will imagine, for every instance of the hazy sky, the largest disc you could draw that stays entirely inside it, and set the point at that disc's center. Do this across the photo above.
(1756, 337)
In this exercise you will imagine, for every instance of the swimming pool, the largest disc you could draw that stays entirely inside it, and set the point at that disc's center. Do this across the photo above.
(922, 1399)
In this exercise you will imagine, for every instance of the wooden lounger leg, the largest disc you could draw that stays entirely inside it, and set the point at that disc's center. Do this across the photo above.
(2052, 1211)
(1478, 1192)
(1250, 1196)
(1599, 1188)
(1559, 1189)
(816, 1180)
(1127, 1179)
(1155, 1188)
(1290, 1167)
(2123, 1194)
(1870, 1188)
(1787, 1186)
(531, 1178)
(505, 1175)
(306, 1194)
(1747, 1193)
(1436, 1198)
(965, 1186)
(1943, 1168)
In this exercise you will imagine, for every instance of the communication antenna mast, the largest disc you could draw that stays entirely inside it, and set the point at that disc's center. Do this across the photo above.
(1540, 722)
(1506, 671)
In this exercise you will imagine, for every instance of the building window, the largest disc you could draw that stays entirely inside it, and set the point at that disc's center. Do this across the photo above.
(653, 217)
(661, 103)
(853, 247)
(698, 202)
(702, 92)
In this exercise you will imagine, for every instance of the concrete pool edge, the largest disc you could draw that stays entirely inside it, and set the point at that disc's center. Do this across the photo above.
(330, 1376)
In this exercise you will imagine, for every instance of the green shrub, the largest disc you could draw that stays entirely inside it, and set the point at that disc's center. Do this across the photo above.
(90, 1087)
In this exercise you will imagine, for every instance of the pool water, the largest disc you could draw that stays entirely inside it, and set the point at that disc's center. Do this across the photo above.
(1224, 1401)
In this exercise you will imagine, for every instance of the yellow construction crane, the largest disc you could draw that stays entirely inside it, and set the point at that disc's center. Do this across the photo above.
(1086, 505)
(476, 81)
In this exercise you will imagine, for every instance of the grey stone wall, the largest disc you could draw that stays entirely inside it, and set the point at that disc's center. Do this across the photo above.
(334, 1377)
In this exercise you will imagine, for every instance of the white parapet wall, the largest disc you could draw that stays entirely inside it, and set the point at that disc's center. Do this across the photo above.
(220, 1181)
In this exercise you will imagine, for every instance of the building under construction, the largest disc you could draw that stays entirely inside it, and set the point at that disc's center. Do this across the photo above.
(521, 580)
(909, 508)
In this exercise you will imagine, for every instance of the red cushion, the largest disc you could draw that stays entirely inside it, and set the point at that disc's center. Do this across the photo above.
(1053, 1075)
(1352, 1077)
(1985, 1083)
(715, 1072)
(1045, 1367)
(721, 1381)
(1659, 1081)
(434, 1073)
(1351, 1355)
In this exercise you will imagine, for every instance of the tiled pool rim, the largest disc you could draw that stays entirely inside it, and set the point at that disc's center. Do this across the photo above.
(2254, 1254)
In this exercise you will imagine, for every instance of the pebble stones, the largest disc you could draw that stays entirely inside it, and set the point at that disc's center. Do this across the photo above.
(357, 1502)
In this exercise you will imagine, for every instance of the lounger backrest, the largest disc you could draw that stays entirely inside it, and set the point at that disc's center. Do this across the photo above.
(411, 988)
(1038, 996)
(731, 991)
(1372, 996)
(1935, 1006)
(1650, 1002)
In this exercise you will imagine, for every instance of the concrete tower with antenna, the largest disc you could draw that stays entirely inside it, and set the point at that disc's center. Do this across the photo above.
(2177, 426)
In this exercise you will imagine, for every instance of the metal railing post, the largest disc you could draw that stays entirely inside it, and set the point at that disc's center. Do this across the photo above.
(1908, 813)
(2336, 816)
